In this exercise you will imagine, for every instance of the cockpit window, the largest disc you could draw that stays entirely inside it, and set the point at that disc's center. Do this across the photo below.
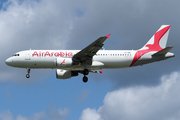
(16, 55)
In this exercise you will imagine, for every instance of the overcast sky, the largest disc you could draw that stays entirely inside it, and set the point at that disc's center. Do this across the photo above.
(139, 93)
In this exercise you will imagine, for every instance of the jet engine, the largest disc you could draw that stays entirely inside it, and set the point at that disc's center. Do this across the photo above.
(65, 74)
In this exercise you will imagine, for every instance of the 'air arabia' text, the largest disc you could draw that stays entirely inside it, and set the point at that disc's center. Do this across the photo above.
(51, 54)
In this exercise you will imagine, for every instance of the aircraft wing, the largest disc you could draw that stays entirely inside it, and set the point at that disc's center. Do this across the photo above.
(88, 52)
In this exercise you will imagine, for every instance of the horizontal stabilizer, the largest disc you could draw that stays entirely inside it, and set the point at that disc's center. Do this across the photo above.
(96, 71)
(163, 51)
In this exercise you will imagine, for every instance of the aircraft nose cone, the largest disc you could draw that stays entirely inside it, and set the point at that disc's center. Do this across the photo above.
(8, 61)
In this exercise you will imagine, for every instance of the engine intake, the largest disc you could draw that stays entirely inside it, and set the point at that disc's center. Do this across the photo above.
(65, 74)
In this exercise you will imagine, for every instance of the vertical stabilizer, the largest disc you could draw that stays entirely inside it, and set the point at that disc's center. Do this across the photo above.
(158, 40)
(155, 44)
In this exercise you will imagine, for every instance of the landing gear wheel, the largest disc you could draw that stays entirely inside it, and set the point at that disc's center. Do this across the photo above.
(28, 71)
(27, 76)
(85, 79)
(86, 72)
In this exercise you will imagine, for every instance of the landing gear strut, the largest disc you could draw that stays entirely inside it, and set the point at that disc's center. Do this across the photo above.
(85, 72)
(27, 75)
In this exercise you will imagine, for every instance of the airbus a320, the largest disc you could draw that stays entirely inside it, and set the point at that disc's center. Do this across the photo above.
(70, 63)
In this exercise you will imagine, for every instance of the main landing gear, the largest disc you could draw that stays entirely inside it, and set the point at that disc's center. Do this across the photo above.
(27, 75)
(85, 72)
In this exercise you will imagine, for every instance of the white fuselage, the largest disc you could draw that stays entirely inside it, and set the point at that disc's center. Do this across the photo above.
(48, 59)
(107, 59)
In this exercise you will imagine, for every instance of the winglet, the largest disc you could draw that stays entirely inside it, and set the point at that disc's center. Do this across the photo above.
(108, 36)
(101, 71)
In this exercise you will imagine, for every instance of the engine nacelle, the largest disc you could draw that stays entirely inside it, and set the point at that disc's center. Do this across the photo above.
(65, 74)
(64, 62)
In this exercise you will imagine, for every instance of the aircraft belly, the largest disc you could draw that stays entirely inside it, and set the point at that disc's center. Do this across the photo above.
(45, 63)
(81, 67)
(149, 59)
(115, 62)
(39, 63)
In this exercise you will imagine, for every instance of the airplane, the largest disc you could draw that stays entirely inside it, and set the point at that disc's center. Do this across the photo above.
(70, 63)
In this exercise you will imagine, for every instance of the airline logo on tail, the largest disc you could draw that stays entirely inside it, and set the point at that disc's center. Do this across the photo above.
(156, 43)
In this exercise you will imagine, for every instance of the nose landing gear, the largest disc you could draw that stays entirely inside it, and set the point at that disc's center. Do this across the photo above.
(85, 72)
(27, 75)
